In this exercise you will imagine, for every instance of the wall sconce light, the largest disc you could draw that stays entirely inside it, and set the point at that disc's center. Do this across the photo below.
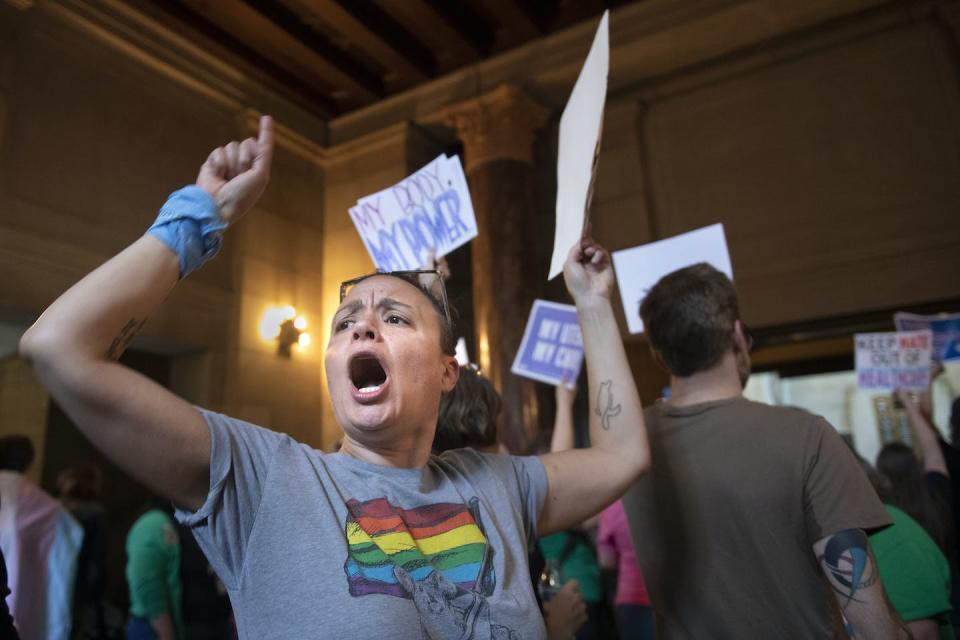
(286, 327)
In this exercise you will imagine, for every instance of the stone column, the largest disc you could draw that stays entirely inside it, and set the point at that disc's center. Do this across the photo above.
(510, 254)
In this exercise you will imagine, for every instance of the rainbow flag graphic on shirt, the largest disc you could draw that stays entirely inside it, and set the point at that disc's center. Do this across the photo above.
(440, 537)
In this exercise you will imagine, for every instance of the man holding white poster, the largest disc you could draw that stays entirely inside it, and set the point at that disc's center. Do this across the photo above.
(753, 520)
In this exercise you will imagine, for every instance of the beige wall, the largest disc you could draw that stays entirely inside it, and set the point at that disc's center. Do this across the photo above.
(23, 408)
(835, 171)
(94, 138)
(821, 132)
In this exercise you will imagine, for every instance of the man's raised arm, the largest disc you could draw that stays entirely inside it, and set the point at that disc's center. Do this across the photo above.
(581, 482)
(152, 434)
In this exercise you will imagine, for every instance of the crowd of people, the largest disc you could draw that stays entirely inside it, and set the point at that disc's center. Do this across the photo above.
(704, 515)
(54, 561)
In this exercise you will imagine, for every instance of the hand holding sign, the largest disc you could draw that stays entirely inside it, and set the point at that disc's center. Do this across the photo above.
(439, 265)
(566, 393)
(588, 272)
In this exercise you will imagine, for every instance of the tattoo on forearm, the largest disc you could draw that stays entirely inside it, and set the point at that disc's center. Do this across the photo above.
(606, 408)
(848, 564)
(120, 343)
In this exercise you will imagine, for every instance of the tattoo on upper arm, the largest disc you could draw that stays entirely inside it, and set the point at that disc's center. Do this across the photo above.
(848, 564)
(120, 343)
(606, 408)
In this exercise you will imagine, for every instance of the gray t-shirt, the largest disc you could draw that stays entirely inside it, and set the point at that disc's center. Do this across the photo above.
(313, 545)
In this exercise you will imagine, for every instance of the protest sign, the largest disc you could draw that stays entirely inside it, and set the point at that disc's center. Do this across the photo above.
(639, 268)
(945, 328)
(460, 352)
(579, 146)
(552, 348)
(894, 360)
(428, 211)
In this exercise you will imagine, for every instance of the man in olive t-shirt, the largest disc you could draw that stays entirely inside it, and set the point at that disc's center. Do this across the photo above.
(752, 520)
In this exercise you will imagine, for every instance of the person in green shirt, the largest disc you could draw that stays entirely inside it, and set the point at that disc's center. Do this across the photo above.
(916, 576)
(573, 551)
(153, 577)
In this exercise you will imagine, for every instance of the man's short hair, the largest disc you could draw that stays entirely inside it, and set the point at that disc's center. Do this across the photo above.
(689, 317)
(16, 453)
(468, 414)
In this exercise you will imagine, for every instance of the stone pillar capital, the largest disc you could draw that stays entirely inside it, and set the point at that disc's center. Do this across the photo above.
(498, 125)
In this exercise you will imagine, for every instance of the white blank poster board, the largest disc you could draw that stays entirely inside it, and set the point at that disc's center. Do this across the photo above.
(639, 268)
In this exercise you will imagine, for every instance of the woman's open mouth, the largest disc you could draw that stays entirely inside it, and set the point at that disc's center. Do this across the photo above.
(367, 376)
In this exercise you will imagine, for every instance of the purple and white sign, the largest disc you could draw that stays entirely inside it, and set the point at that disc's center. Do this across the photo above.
(428, 212)
(552, 346)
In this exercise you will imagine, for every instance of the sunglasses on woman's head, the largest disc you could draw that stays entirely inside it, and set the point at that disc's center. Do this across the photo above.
(429, 281)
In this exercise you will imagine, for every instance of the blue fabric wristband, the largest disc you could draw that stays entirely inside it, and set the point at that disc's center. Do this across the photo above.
(189, 223)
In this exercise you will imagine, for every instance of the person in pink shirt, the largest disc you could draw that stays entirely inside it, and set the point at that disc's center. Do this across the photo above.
(615, 551)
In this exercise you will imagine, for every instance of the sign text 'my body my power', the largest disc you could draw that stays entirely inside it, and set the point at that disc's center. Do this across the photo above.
(552, 347)
(428, 211)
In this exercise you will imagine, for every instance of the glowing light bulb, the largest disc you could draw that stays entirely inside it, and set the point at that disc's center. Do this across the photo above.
(300, 323)
(304, 340)
(273, 318)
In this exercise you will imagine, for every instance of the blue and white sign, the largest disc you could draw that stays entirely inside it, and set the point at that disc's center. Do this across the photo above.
(945, 328)
(552, 346)
(427, 212)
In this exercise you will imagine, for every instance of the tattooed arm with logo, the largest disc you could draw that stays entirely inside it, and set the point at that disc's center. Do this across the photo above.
(581, 482)
(851, 571)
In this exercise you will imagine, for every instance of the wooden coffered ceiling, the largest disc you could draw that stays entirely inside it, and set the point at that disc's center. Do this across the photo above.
(335, 56)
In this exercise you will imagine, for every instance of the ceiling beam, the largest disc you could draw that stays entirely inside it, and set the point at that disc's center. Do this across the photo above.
(179, 17)
(376, 33)
(440, 26)
(468, 24)
(341, 69)
(514, 18)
